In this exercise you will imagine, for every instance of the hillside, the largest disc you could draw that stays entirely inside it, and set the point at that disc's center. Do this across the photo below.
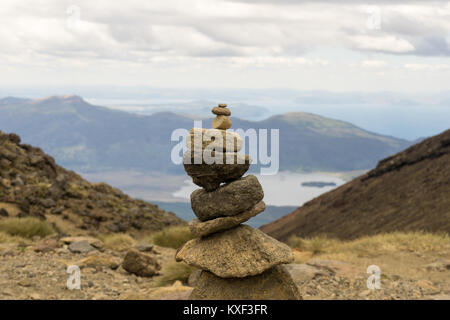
(32, 184)
(408, 191)
(89, 138)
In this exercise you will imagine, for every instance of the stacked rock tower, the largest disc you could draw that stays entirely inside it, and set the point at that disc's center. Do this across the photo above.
(236, 261)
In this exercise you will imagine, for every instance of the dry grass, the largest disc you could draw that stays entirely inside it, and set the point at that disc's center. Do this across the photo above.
(372, 246)
(118, 241)
(395, 253)
(27, 227)
(172, 237)
(7, 238)
(174, 271)
(12, 209)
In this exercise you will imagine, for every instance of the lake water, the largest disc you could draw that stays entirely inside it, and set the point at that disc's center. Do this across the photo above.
(282, 189)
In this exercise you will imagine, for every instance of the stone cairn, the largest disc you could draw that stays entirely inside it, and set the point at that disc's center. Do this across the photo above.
(236, 261)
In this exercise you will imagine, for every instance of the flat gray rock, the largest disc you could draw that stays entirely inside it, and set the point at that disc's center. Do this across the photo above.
(201, 229)
(235, 253)
(81, 247)
(228, 200)
(301, 273)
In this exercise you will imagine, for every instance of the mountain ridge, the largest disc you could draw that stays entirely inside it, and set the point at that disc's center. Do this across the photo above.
(408, 191)
(89, 138)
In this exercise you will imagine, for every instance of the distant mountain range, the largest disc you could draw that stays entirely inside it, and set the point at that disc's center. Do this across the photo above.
(197, 108)
(409, 191)
(89, 138)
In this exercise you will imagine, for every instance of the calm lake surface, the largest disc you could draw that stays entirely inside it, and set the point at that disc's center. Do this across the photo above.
(282, 189)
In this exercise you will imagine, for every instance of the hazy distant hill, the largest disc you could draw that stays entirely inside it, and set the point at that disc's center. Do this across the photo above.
(409, 191)
(84, 137)
(197, 108)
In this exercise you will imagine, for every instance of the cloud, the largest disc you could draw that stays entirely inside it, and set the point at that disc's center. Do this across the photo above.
(209, 28)
(373, 64)
(426, 67)
(389, 44)
(282, 40)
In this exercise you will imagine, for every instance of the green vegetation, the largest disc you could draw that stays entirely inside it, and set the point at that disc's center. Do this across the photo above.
(27, 227)
(7, 238)
(77, 191)
(118, 241)
(174, 271)
(172, 237)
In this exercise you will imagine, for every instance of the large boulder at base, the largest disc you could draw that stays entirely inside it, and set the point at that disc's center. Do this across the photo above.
(201, 229)
(140, 264)
(235, 253)
(273, 284)
(220, 140)
(210, 175)
(229, 200)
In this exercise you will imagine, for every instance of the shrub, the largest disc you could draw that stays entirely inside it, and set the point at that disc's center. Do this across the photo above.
(7, 238)
(118, 241)
(27, 227)
(316, 245)
(172, 237)
(174, 271)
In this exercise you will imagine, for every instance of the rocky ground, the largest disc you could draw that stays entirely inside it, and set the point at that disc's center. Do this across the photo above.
(27, 274)
(39, 272)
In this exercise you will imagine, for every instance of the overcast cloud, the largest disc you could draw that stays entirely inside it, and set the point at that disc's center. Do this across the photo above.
(269, 43)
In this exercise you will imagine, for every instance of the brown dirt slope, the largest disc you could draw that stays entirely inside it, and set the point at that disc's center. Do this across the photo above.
(31, 184)
(408, 191)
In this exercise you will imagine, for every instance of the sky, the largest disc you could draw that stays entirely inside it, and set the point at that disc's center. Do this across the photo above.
(340, 46)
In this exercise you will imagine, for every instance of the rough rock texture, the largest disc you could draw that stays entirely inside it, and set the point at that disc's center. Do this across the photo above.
(228, 200)
(221, 122)
(275, 283)
(140, 264)
(408, 191)
(221, 111)
(99, 261)
(235, 253)
(210, 176)
(201, 229)
(230, 142)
